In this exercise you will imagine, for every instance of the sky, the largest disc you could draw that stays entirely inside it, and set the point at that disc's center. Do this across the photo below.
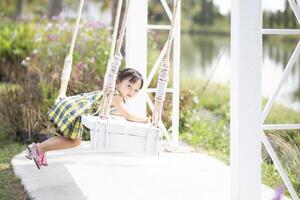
(266, 4)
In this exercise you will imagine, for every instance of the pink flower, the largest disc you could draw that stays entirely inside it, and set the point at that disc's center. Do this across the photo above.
(34, 53)
(81, 66)
(279, 192)
(52, 37)
(95, 24)
(56, 18)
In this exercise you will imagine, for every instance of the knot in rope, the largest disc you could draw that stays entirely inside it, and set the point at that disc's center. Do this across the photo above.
(113, 68)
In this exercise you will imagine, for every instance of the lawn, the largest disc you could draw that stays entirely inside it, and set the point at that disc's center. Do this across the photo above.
(10, 185)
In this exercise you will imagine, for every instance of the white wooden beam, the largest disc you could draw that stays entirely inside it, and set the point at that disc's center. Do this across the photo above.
(281, 31)
(167, 8)
(245, 103)
(136, 48)
(154, 90)
(295, 7)
(281, 126)
(176, 77)
(159, 27)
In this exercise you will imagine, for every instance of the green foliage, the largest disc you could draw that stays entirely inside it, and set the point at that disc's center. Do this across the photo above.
(7, 7)
(206, 134)
(16, 41)
(89, 59)
(204, 118)
(20, 110)
(271, 177)
(215, 97)
(48, 95)
(24, 110)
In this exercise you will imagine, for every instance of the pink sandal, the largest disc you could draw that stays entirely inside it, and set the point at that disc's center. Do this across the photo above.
(38, 157)
(28, 152)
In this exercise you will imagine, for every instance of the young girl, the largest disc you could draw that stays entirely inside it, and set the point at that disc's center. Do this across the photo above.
(65, 115)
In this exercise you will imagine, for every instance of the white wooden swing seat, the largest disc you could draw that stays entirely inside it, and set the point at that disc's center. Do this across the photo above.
(116, 134)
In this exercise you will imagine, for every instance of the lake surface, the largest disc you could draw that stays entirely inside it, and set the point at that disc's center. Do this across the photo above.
(203, 54)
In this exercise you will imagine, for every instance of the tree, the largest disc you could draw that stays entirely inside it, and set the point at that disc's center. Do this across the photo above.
(19, 8)
(55, 8)
(207, 13)
(113, 4)
(278, 16)
(271, 20)
(286, 15)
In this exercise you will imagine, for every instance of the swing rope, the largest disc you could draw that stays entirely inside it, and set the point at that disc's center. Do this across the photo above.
(116, 26)
(113, 68)
(66, 73)
(67, 69)
(163, 76)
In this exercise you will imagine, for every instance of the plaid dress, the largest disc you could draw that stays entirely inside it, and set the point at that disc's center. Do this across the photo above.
(65, 115)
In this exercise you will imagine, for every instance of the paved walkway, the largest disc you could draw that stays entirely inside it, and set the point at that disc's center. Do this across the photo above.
(83, 173)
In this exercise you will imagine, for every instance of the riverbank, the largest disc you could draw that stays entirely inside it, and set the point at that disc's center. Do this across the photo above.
(219, 28)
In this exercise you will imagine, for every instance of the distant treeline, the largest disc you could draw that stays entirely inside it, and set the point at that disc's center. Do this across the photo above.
(280, 19)
(15, 9)
(200, 11)
(194, 12)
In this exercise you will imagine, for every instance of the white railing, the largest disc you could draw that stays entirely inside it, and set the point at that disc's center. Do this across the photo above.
(290, 65)
(281, 31)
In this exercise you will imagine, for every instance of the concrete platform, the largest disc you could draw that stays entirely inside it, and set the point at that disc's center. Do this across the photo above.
(83, 173)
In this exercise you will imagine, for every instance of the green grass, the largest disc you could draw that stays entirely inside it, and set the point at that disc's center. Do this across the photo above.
(10, 185)
(6, 86)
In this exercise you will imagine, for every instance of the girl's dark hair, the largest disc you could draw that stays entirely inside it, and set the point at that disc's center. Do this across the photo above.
(131, 74)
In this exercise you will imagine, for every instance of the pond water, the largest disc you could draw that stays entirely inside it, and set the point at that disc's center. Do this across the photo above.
(203, 54)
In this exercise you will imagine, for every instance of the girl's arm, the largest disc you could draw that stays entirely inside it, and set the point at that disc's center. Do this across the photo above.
(117, 101)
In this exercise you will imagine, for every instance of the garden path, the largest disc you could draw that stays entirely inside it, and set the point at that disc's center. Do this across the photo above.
(82, 173)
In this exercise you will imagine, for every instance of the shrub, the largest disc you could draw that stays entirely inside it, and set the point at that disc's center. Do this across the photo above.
(24, 110)
(16, 43)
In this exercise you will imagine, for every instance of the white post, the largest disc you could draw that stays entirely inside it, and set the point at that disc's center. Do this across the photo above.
(136, 48)
(176, 77)
(245, 122)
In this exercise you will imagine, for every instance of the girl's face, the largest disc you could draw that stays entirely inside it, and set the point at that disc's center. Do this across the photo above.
(127, 89)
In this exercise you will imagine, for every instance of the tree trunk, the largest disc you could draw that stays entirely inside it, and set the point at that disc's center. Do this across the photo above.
(19, 8)
(55, 8)
(114, 9)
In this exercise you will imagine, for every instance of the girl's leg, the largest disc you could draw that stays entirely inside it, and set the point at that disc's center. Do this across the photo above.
(49, 139)
(57, 143)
